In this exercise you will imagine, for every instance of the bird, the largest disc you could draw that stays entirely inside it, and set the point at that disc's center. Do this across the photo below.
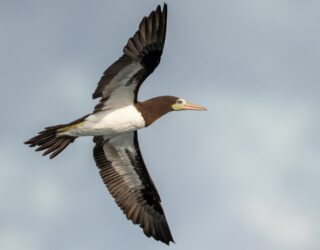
(115, 121)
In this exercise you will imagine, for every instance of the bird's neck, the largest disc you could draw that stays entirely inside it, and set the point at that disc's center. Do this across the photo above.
(153, 109)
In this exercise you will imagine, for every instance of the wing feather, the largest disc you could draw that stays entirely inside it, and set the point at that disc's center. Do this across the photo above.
(141, 55)
(123, 171)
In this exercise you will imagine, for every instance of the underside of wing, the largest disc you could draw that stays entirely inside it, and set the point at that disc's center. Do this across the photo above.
(123, 171)
(141, 56)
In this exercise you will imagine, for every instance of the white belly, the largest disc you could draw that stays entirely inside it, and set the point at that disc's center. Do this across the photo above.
(109, 122)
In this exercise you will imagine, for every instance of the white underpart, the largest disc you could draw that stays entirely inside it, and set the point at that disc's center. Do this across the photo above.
(118, 114)
(110, 122)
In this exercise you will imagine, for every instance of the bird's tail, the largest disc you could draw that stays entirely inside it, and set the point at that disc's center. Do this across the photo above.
(51, 140)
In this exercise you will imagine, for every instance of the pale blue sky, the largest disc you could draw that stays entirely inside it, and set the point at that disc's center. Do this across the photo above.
(243, 175)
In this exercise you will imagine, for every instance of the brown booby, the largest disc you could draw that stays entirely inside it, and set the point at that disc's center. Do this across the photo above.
(114, 124)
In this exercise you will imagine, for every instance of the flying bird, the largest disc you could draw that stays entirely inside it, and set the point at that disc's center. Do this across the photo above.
(114, 123)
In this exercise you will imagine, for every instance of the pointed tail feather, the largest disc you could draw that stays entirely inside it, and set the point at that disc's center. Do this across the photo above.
(49, 141)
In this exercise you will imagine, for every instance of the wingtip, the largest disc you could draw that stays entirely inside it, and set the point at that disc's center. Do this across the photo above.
(165, 7)
(171, 241)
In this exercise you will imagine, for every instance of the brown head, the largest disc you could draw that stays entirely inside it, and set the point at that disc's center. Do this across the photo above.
(154, 108)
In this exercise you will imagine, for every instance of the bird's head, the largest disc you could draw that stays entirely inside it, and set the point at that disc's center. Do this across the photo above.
(182, 104)
(156, 107)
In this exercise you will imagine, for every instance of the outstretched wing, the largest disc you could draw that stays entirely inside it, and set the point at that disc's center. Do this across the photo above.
(123, 171)
(121, 81)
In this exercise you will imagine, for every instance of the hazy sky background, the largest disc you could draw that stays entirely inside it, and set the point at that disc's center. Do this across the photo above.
(243, 175)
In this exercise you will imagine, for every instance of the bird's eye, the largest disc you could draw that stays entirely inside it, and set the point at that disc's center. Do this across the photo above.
(180, 101)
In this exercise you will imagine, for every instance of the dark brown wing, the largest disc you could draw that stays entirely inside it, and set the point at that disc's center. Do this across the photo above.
(121, 81)
(123, 171)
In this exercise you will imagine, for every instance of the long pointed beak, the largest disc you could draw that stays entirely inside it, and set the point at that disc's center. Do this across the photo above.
(190, 106)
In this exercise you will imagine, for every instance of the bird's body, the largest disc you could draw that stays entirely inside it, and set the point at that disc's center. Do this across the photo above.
(108, 122)
(114, 124)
